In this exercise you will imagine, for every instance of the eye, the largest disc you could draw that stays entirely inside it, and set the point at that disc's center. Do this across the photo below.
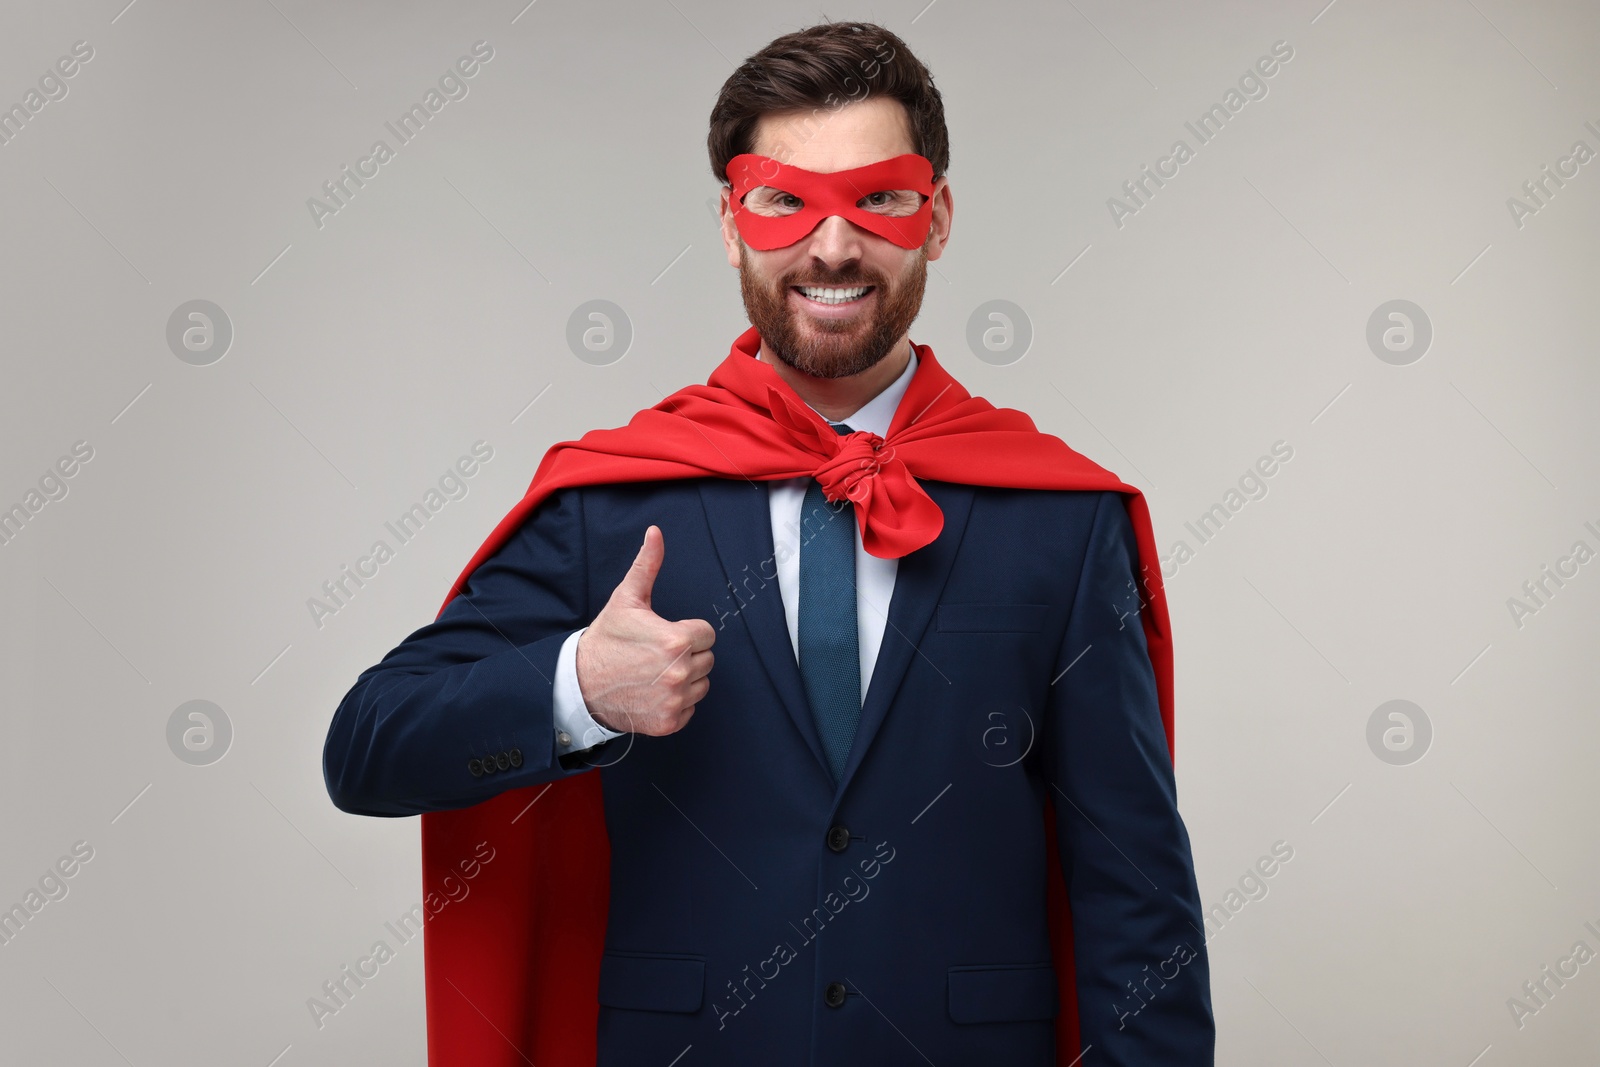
(892, 202)
(765, 200)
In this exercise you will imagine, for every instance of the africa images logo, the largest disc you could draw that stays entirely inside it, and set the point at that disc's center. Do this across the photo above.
(452, 86)
(1252, 86)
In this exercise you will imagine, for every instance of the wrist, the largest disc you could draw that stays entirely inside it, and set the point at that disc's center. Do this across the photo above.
(580, 662)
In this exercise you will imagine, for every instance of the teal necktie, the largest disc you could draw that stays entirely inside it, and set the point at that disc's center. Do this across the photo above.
(830, 662)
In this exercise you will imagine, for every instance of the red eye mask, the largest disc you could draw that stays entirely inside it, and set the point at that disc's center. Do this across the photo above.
(824, 195)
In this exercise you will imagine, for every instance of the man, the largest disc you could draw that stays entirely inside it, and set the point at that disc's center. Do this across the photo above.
(833, 744)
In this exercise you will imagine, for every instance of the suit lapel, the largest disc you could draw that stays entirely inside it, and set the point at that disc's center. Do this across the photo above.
(740, 516)
(919, 582)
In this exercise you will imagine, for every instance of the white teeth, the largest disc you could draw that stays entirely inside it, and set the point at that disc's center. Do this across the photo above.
(833, 296)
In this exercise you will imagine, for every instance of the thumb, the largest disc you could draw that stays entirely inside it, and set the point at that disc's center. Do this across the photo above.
(641, 577)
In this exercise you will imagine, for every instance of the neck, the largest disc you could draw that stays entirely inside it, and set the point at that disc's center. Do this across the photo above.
(839, 398)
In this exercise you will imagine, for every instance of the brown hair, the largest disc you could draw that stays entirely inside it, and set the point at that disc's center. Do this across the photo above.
(822, 68)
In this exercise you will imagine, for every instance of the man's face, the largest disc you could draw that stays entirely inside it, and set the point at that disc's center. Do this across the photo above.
(815, 332)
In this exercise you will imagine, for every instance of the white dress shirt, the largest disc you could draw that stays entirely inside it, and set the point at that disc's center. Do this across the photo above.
(576, 729)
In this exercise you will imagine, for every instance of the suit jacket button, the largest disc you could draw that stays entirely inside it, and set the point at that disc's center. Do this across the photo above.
(516, 757)
(833, 995)
(476, 767)
(503, 761)
(839, 838)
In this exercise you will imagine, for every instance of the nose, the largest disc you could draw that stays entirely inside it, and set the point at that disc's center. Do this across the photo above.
(836, 240)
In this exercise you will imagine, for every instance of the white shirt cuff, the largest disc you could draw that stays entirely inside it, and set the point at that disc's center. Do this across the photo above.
(575, 727)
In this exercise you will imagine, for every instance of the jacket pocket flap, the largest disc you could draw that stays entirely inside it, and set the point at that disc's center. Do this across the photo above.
(652, 982)
(993, 618)
(1003, 993)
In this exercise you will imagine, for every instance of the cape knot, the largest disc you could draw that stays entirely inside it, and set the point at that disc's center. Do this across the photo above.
(848, 474)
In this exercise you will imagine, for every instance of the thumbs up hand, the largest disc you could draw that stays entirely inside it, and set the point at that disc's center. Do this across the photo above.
(640, 673)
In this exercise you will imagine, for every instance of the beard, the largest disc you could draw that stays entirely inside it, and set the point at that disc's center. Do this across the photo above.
(832, 348)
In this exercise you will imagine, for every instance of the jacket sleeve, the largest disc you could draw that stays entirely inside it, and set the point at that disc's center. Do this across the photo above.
(462, 709)
(1142, 971)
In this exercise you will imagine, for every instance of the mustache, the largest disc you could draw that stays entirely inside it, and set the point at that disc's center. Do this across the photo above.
(848, 283)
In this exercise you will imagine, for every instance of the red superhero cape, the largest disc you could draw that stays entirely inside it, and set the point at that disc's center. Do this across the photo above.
(513, 966)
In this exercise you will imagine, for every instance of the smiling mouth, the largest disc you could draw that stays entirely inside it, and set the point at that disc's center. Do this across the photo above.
(833, 296)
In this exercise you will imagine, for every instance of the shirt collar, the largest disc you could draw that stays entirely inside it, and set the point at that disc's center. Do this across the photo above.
(875, 415)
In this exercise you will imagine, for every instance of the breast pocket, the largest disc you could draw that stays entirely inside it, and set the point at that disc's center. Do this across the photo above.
(1003, 993)
(992, 618)
(648, 981)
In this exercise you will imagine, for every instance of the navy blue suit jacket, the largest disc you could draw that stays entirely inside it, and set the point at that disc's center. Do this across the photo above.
(763, 914)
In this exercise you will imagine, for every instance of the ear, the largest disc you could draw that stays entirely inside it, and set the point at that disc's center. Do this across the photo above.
(730, 232)
(943, 210)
